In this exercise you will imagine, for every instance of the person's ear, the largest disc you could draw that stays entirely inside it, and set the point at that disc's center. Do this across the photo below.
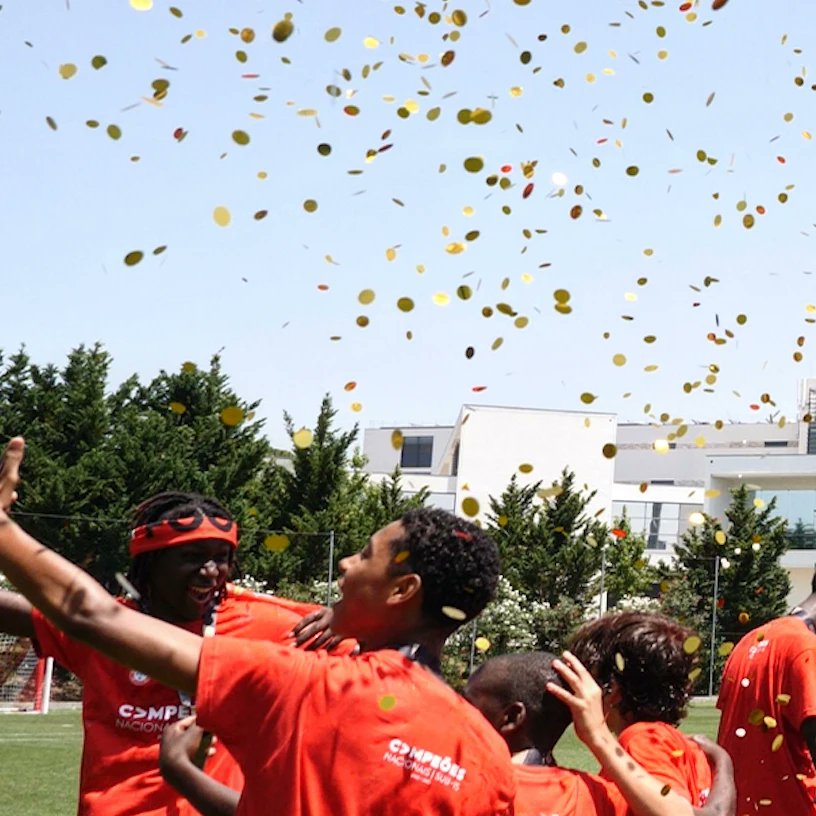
(405, 588)
(513, 718)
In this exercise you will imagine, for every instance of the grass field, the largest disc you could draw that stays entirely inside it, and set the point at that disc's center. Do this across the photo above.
(40, 758)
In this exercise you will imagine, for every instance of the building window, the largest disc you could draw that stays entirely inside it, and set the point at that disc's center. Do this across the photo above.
(417, 452)
(455, 465)
(776, 443)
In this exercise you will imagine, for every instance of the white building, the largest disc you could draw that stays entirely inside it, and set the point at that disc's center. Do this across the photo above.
(660, 474)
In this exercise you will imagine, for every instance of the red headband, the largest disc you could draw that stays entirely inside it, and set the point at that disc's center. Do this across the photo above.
(160, 535)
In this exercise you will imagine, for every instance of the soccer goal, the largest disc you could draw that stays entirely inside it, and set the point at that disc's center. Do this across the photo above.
(25, 678)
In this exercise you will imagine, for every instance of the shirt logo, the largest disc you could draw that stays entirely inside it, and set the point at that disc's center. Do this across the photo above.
(138, 678)
(425, 766)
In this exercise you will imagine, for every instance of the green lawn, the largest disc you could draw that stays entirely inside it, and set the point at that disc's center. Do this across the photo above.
(40, 761)
(40, 758)
(703, 719)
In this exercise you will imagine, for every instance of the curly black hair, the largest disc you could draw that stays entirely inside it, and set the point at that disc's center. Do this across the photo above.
(456, 560)
(523, 678)
(648, 655)
(161, 507)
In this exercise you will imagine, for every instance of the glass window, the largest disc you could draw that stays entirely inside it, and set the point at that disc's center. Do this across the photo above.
(417, 452)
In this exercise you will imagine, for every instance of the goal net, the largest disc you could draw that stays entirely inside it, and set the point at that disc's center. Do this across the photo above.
(22, 675)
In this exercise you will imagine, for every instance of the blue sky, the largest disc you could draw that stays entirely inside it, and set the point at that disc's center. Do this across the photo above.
(75, 202)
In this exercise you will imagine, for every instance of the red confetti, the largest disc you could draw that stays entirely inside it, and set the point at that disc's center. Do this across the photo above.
(528, 190)
(753, 406)
(685, 6)
(323, 287)
(465, 536)
(507, 168)
(179, 134)
(720, 603)
(478, 388)
(781, 159)
(760, 209)
(618, 533)
(249, 76)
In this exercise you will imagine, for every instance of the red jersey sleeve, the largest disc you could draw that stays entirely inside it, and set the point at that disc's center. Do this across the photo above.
(655, 748)
(51, 642)
(802, 688)
(242, 681)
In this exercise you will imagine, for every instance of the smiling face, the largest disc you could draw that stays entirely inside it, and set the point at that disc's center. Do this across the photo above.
(376, 606)
(184, 581)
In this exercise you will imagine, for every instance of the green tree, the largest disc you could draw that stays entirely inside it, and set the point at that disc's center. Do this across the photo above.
(743, 555)
(93, 455)
(627, 572)
(549, 548)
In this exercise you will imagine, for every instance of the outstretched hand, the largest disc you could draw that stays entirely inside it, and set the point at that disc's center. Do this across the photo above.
(314, 631)
(183, 743)
(585, 700)
(10, 472)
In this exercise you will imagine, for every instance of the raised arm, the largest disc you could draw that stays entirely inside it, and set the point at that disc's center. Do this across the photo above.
(645, 794)
(81, 607)
(722, 799)
(182, 743)
(15, 615)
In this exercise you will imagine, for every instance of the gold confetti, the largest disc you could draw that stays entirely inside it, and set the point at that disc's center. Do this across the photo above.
(302, 439)
(387, 702)
(141, 5)
(691, 644)
(397, 439)
(232, 416)
(401, 556)
(620, 663)
(178, 407)
(609, 450)
(470, 506)
(283, 30)
(777, 742)
(67, 70)
(222, 216)
(332, 35)
(453, 613)
(132, 258)
(276, 542)
(482, 644)
(725, 649)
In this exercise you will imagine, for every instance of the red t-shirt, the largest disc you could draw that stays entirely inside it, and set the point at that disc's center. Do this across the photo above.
(124, 712)
(768, 690)
(318, 735)
(670, 757)
(544, 791)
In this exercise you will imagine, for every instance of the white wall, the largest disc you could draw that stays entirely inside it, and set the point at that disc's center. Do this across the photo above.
(637, 461)
(382, 456)
(495, 441)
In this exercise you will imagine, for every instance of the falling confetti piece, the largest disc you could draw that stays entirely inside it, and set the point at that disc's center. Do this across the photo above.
(453, 613)
(691, 644)
(302, 438)
(526, 467)
(283, 30)
(397, 439)
(240, 137)
(332, 35)
(310, 205)
(609, 450)
(482, 644)
(222, 216)
(470, 507)
(356, 407)
(178, 408)
(132, 258)
(719, 537)
(620, 663)
(114, 131)
(99, 62)
(141, 5)
(696, 519)
(276, 542)
(387, 702)
(441, 298)
(725, 649)
(232, 416)
(405, 304)
(366, 297)
(67, 70)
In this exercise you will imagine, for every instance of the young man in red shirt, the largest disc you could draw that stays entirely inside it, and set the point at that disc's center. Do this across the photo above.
(317, 734)
(643, 662)
(768, 704)
(522, 696)
(182, 547)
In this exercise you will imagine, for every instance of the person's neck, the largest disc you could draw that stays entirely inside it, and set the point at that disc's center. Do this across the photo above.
(430, 641)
